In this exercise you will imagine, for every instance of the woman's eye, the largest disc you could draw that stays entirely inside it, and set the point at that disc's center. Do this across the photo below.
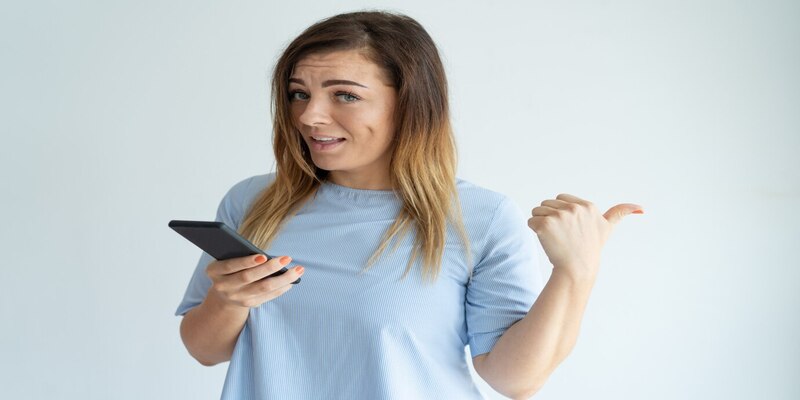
(347, 97)
(297, 95)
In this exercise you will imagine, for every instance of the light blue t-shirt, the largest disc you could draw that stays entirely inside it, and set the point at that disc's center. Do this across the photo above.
(346, 334)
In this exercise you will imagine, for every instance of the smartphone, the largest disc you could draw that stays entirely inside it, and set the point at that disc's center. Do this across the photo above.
(219, 240)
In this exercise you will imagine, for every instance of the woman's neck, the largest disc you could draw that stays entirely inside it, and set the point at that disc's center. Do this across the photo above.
(365, 181)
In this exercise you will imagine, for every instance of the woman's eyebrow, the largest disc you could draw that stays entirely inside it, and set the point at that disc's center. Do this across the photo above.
(330, 82)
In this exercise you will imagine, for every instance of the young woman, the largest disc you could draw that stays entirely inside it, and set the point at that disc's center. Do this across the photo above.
(403, 264)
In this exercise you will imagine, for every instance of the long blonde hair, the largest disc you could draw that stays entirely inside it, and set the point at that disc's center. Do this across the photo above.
(424, 159)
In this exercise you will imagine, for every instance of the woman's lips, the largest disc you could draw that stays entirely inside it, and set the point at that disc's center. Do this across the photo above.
(325, 139)
(324, 145)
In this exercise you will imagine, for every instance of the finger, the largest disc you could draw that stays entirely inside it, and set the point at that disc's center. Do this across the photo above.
(615, 214)
(557, 204)
(543, 211)
(234, 265)
(262, 271)
(538, 223)
(573, 199)
(261, 298)
(279, 282)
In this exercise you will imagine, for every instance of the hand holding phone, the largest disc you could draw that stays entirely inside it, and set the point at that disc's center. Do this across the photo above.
(250, 281)
(219, 240)
(242, 275)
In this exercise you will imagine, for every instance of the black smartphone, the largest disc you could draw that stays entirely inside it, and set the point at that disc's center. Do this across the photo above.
(219, 240)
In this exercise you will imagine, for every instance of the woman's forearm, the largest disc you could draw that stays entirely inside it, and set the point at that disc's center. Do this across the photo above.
(210, 330)
(529, 351)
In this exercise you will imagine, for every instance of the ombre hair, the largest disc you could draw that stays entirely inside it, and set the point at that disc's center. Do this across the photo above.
(423, 158)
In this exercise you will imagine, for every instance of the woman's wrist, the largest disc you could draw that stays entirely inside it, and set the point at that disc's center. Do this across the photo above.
(214, 303)
(572, 276)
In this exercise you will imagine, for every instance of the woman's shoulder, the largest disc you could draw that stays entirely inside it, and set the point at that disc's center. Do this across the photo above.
(475, 198)
(489, 213)
(256, 182)
(244, 191)
(483, 209)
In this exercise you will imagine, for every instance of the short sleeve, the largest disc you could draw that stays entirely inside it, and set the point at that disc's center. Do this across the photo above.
(506, 280)
(230, 211)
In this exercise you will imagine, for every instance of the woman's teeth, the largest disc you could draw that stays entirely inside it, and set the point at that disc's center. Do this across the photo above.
(326, 140)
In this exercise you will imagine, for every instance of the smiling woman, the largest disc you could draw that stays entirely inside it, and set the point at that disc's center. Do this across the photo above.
(404, 264)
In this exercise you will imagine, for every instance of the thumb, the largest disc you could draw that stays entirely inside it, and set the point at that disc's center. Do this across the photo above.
(615, 214)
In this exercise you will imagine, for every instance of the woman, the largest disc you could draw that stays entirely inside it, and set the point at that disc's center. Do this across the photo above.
(406, 264)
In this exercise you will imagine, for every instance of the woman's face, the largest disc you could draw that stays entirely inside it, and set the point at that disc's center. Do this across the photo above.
(343, 106)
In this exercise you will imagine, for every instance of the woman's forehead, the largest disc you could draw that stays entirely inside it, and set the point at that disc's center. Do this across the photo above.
(333, 57)
(349, 64)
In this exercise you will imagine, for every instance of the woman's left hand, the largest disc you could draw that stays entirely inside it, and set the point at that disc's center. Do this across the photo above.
(572, 232)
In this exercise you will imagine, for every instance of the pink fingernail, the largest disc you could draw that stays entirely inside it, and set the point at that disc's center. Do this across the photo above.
(639, 212)
(260, 259)
(300, 270)
(284, 260)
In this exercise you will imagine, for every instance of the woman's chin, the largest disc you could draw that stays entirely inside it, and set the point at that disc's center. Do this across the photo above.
(327, 166)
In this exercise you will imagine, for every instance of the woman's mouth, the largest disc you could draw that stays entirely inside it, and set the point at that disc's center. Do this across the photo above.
(322, 143)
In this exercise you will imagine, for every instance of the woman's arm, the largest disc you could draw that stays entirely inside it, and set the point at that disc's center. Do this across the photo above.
(572, 233)
(530, 350)
(210, 330)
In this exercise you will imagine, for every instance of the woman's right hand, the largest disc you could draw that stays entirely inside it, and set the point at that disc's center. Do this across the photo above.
(243, 281)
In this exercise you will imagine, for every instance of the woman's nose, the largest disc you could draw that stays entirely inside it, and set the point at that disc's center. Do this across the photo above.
(315, 112)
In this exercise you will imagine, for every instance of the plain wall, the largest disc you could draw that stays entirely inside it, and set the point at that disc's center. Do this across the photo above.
(119, 116)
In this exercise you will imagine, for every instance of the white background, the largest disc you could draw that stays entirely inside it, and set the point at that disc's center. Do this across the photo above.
(119, 116)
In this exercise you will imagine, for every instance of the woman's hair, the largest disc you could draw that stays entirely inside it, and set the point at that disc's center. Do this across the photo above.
(423, 159)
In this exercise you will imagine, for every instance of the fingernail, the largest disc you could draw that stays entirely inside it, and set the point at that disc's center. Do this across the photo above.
(300, 270)
(639, 212)
(284, 260)
(260, 259)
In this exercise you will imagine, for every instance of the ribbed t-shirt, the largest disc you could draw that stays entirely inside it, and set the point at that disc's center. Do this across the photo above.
(346, 333)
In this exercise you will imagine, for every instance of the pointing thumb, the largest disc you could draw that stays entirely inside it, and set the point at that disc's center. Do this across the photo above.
(615, 214)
